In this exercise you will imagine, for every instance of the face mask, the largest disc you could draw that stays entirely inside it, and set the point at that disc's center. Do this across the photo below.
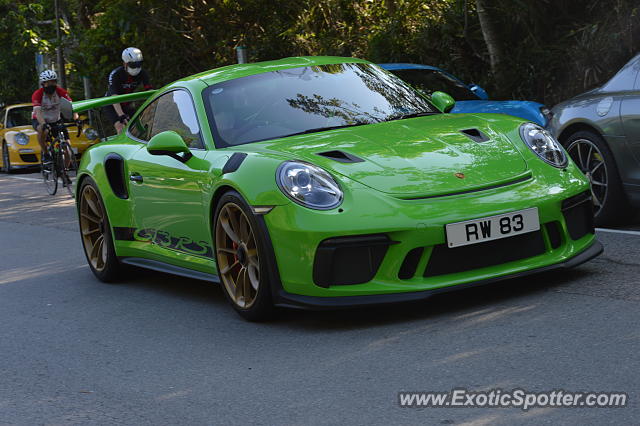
(134, 71)
(49, 90)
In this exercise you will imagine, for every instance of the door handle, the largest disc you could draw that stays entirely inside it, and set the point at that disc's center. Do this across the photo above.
(135, 177)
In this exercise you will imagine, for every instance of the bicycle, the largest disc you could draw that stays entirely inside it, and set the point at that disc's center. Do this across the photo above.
(62, 160)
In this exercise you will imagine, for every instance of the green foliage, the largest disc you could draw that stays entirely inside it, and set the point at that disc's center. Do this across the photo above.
(555, 49)
(17, 55)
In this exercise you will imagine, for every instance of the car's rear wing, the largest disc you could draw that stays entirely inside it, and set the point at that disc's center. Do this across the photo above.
(88, 104)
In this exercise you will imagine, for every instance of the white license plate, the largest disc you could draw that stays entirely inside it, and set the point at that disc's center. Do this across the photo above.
(492, 227)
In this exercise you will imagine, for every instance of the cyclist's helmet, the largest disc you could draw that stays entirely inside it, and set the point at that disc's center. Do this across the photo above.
(132, 57)
(48, 75)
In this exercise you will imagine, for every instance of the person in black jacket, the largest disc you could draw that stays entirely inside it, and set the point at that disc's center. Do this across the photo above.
(125, 79)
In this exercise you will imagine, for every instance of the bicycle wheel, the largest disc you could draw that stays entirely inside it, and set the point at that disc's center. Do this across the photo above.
(50, 177)
(69, 172)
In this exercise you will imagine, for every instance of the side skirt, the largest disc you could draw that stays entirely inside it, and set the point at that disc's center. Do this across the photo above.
(169, 269)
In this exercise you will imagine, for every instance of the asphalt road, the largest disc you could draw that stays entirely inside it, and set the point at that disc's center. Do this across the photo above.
(158, 349)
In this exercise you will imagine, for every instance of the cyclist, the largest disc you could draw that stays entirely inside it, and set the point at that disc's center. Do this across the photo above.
(46, 110)
(125, 79)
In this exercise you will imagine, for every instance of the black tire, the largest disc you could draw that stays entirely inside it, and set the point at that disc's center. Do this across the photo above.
(70, 172)
(49, 177)
(261, 307)
(107, 268)
(611, 205)
(6, 161)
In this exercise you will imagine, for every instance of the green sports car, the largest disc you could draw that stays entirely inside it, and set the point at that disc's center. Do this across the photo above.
(318, 182)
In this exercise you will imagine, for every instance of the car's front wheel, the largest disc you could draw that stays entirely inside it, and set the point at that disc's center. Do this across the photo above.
(240, 250)
(95, 232)
(6, 162)
(592, 155)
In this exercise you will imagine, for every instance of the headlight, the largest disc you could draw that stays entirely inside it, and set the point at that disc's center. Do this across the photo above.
(21, 138)
(91, 134)
(543, 144)
(308, 185)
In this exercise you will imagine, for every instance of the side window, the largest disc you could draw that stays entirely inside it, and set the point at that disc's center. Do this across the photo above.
(142, 125)
(175, 112)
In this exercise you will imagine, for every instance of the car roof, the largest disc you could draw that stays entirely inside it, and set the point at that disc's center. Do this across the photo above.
(405, 66)
(231, 72)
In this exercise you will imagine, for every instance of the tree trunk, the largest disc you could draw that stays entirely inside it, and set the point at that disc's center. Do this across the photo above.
(391, 7)
(492, 41)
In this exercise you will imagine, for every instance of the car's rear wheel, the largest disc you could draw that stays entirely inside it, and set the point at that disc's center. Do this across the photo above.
(240, 255)
(6, 161)
(592, 155)
(95, 232)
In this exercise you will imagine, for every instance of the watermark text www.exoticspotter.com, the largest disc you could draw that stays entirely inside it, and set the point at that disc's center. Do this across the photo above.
(516, 398)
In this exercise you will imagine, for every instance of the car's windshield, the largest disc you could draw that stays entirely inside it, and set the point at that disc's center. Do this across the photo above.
(429, 81)
(20, 116)
(307, 99)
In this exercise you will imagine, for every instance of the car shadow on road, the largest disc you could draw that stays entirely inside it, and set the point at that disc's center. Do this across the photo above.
(490, 296)
(513, 291)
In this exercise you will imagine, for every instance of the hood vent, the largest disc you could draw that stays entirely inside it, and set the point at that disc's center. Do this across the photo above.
(475, 135)
(341, 156)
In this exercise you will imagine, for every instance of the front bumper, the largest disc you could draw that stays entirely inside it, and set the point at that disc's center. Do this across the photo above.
(284, 299)
(402, 267)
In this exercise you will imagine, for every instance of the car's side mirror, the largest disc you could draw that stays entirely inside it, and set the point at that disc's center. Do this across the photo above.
(1, 126)
(479, 92)
(169, 143)
(442, 101)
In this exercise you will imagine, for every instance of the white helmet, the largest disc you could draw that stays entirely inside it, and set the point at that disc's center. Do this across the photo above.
(131, 54)
(48, 75)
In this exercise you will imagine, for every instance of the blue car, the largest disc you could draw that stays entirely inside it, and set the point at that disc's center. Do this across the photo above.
(469, 97)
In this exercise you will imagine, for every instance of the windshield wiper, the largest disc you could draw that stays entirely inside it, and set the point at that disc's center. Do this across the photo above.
(402, 116)
(322, 129)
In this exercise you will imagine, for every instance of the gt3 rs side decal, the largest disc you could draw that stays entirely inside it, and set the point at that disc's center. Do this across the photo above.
(164, 239)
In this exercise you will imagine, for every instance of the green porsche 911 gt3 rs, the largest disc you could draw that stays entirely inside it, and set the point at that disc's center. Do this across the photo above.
(327, 182)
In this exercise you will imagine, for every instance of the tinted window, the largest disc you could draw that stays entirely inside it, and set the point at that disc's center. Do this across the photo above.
(141, 126)
(19, 117)
(429, 81)
(307, 99)
(175, 112)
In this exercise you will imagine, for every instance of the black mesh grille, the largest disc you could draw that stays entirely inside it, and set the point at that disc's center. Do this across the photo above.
(445, 260)
(410, 263)
(578, 214)
(554, 232)
(29, 158)
(349, 260)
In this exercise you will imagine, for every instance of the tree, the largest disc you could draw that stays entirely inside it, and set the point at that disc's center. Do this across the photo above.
(492, 41)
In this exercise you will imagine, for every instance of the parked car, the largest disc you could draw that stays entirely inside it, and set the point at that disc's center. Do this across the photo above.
(19, 140)
(323, 182)
(601, 131)
(469, 97)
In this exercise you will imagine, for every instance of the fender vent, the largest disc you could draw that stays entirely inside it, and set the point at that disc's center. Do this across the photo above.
(475, 135)
(341, 157)
(114, 169)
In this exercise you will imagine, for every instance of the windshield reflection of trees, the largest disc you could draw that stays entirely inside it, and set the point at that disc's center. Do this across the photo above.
(399, 96)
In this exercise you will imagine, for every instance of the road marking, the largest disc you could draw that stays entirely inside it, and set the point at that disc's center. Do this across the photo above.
(25, 178)
(618, 231)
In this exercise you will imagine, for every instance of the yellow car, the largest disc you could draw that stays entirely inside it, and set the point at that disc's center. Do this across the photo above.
(19, 141)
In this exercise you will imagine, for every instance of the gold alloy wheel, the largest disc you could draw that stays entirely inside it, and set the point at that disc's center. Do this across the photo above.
(237, 255)
(92, 226)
